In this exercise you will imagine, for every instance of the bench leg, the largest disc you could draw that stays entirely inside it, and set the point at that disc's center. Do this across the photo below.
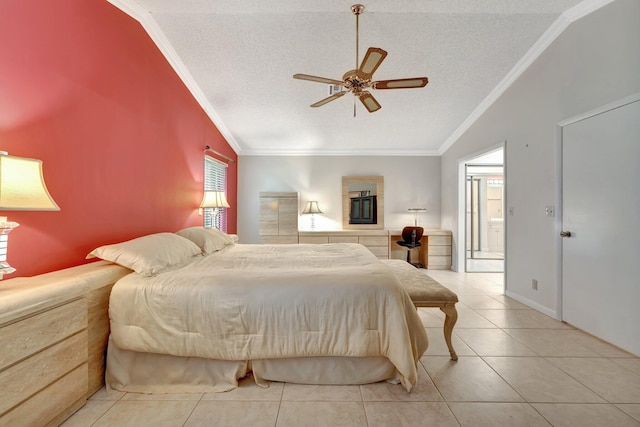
(450, 320)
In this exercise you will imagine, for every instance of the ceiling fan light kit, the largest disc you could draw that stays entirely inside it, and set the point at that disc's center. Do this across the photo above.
(359, 80)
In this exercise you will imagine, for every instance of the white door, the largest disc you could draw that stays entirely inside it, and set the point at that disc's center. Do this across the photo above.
(601, 210)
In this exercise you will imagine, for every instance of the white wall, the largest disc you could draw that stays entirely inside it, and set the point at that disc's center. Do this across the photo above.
(595, 61)
(408, 182)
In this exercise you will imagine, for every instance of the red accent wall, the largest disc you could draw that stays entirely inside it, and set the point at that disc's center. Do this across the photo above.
(84, 89)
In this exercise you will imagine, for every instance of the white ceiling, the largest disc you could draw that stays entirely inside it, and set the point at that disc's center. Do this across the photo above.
(238, 57)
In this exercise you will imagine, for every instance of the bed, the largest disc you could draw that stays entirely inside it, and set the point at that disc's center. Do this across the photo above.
(200, 312)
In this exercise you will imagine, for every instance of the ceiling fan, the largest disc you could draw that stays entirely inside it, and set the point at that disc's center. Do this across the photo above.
(359, 80)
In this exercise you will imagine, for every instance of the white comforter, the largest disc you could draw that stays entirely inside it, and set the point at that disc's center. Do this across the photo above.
(250, 302)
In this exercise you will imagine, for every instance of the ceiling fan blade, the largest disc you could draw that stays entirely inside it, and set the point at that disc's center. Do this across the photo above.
(318, 79)
(328, 99)
(401, 83)
(369, 102)
(370, 63)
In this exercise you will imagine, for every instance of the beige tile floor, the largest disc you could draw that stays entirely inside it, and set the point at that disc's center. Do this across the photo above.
(517, 367)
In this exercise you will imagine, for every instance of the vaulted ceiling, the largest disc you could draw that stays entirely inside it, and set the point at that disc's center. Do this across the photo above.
(238, 58)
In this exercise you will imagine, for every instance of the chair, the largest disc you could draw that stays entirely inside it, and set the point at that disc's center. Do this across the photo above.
(411, 239)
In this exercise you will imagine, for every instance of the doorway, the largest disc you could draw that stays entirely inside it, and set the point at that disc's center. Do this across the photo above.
(484, 213)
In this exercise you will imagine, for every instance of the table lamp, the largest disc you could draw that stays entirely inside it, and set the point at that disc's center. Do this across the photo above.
(416, 211)
(216, 200)
(22, 188)
(311, 209)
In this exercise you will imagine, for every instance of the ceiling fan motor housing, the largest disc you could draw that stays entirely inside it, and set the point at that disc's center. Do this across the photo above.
(333, 89)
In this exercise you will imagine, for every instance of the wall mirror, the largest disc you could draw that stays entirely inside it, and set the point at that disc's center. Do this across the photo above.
(363, 202)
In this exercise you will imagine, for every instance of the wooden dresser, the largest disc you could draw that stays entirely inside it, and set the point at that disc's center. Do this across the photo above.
(278, 217)
(434, 254)
(53, 330)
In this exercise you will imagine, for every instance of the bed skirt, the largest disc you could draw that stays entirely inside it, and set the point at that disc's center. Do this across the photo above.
(135, 372)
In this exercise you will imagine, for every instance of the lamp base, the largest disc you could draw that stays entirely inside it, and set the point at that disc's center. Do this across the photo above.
(5, 269)
(5, 228)
(213, 219)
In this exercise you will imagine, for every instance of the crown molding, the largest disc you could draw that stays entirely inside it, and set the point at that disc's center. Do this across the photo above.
(384, 153)
(559, 25)
(584, 8)
(149, 24)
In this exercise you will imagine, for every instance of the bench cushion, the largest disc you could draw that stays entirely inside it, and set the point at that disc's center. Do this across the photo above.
(421, 288)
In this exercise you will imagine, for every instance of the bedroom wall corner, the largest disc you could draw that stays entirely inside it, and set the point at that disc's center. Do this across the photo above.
(595, 61)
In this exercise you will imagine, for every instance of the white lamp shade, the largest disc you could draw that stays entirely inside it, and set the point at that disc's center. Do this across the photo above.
(415, 212)
(312, 208)
(22, 186)
(214, 199)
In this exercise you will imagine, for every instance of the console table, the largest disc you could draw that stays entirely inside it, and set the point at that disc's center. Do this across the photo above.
(435, 252)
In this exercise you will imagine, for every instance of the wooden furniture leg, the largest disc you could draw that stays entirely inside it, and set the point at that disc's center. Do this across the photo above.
(426, 292)
(450, 320)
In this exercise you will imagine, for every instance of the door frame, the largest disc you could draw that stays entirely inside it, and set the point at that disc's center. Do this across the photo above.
(473, 186)
(559, 171)
(469, 222)
(462, 232)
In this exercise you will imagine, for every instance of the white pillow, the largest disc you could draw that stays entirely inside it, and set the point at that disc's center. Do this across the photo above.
(208, 239)
(149, 255)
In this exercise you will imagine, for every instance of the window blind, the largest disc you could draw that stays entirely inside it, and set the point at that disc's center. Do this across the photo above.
(215, 178)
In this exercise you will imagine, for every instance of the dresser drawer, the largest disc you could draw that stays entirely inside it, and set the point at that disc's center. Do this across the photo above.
(47, 406)
(435, 262)
(26, 378)
(439, 240)
(374, 240)
(343, 239)
(316, 240)
(439, 250)
(27, 336)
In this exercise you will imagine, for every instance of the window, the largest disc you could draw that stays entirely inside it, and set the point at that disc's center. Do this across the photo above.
(215, 178)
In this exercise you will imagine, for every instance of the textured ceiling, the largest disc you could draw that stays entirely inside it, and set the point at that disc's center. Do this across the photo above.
(242, 55)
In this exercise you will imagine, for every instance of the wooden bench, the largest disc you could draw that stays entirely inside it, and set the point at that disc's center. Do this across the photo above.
(426, 292)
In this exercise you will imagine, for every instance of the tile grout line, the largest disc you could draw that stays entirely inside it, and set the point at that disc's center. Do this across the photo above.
(113, 402)
(193, 409)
